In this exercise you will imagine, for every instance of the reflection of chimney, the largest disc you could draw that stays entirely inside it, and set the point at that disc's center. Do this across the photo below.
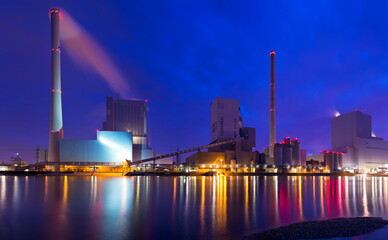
(56, 125)
(272, 133)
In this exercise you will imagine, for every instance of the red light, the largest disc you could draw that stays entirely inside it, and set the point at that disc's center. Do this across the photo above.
(272, 52)
(97, 130)
(52, 90)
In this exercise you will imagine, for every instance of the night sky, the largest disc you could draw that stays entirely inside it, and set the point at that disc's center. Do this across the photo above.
(330, 56)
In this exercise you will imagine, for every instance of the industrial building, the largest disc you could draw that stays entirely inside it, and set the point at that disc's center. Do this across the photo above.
(303, 157)
(316, 157)
(352, 134)
(332, 160)
(130, 116)
(287, 153)
(109, 147)
(227, 124)
(125, 133)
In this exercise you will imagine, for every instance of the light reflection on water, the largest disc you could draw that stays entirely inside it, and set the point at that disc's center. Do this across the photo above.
(178, 207)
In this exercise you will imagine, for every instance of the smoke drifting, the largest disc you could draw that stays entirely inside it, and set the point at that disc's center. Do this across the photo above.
(86, 51)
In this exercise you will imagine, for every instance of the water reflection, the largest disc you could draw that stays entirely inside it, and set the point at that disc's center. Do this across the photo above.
(179, 207)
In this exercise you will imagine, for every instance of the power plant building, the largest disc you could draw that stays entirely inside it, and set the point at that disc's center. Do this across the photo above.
(110, 147)
(125, 135)
(224, 118)
(227, 124)
(352, 134)
(130, 116)
(332, 160)
(287, 152)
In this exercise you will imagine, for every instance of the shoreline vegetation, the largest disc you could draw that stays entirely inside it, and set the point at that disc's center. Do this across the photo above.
(318, 229)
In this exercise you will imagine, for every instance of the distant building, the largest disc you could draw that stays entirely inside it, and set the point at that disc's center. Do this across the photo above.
(317, 157)
(332, 160)
(42, 155)
(352, 134)
(313, 164)
(303, 157)
(287, 152)
(227, 124)
(130, 116)
(224, 118)
(6, 167)
(17, 163)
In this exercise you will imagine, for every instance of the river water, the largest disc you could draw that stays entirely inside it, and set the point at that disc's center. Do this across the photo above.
(96, 207)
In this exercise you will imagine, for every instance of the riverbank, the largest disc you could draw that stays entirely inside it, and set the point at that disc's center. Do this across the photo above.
(33, 173)
(332, 228)
(236, 174)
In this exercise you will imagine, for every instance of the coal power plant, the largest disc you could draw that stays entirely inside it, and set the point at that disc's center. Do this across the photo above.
(123, 141)
(112, 148)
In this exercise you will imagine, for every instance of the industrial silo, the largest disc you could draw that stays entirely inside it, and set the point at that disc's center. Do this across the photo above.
(287, 154)
(278, 154)
(296, 159)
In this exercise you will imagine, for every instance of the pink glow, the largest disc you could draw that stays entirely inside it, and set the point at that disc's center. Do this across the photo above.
(85, 51)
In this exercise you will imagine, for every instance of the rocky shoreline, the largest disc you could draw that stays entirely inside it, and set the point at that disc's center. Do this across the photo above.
(332, 228)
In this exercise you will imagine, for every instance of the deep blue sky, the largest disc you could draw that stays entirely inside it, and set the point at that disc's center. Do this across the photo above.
(330, 56)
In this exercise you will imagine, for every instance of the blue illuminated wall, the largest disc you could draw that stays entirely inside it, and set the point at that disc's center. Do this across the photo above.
(109, 147)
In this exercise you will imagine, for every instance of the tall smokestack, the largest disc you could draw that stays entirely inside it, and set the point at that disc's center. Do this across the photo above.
(56, 125)
(272, 133)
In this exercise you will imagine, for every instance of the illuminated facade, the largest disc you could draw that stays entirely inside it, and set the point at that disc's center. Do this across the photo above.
(352, 134)
(115, 147)
(130, 116)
